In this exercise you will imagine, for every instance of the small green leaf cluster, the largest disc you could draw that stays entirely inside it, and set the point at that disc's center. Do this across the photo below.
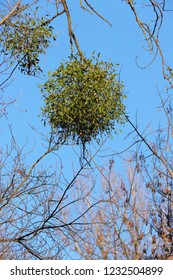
(83, 99)
(24, 39)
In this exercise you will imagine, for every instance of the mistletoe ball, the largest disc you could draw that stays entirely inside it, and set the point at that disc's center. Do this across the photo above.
(83, 99)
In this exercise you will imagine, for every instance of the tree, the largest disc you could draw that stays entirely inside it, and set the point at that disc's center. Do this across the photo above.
(133, 217)
(43, 213)
(114, 229)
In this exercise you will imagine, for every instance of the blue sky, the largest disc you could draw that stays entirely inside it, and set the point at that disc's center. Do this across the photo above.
(121, 43)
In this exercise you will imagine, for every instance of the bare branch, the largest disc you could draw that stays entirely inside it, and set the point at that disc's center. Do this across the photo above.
(70, 31)
(11, 13)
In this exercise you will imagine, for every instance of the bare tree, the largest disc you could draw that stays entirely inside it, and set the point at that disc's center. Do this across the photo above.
(117, 227)
(132, 218)
(36, 206)
(44, 215)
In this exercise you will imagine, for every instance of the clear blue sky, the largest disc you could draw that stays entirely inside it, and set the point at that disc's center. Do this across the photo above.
(120, 43)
